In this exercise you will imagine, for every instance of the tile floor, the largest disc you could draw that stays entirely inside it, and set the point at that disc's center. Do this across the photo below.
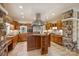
(54, 50)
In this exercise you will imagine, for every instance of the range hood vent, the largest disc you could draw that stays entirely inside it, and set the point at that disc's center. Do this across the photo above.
(38, 24)
(38, 21)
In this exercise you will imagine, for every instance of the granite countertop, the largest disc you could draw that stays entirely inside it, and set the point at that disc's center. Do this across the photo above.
(56, 35)
(10, 35)
(42, 34)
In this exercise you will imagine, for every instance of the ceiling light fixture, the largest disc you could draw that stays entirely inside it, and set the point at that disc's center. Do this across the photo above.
(21, 7)
(53, 14)
(22, 13)
(22, 16)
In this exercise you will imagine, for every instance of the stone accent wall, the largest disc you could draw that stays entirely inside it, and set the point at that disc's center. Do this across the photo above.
(78, 35)
(69, 34)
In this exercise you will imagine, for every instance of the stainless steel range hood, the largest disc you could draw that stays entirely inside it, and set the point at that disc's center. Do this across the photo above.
(38, 21)
(38, 24)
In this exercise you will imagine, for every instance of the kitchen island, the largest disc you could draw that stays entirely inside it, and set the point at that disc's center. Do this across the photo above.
(38, 41)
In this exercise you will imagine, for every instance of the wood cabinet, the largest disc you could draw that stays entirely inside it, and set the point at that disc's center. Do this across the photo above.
(56, 39)
(22, 37)
(54, 25)
(31, 43)
(48, 25)
(11, 42)
(15, 41)
(37, 41)
(4, 51)
(59, 24)
(48, 39)
(44, 44)
(16, 25)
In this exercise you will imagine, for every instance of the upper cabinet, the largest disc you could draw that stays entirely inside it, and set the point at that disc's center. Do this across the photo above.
(16, 25)
(48, 25)
(54, 25)
(68, 14)
(59, 24)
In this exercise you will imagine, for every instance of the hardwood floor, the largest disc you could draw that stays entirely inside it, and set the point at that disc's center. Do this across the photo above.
(54, 50)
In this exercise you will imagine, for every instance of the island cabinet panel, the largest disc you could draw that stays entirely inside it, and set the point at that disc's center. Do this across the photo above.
(38, 41)
(48, 39)
(31, 43)
(15, 41)
(44, 45)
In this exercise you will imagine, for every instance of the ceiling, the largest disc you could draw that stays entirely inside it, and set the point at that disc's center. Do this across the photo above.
(27, 13)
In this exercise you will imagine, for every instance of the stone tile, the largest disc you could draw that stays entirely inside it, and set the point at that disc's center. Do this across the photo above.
(54, 50)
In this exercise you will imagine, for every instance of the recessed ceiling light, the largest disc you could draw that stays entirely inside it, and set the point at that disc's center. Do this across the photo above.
(22, 16)
(53, 14)
(21, 7)
(47, 17)
(22, 13)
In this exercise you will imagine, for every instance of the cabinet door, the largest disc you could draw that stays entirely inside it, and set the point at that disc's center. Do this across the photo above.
(14, 41)
(38, 42)
(22, 37)
(52, 38)
(31, 43)
(16, 25)
(48, 40)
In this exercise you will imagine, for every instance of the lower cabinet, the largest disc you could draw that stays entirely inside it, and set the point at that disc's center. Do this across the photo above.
(9, 45)
(31, 43)
(56, 39)
(35, 41)
(22, 37)
(4, 51)
(15, 41)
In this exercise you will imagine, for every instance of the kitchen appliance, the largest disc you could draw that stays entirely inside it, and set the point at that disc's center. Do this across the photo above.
(38, 24)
